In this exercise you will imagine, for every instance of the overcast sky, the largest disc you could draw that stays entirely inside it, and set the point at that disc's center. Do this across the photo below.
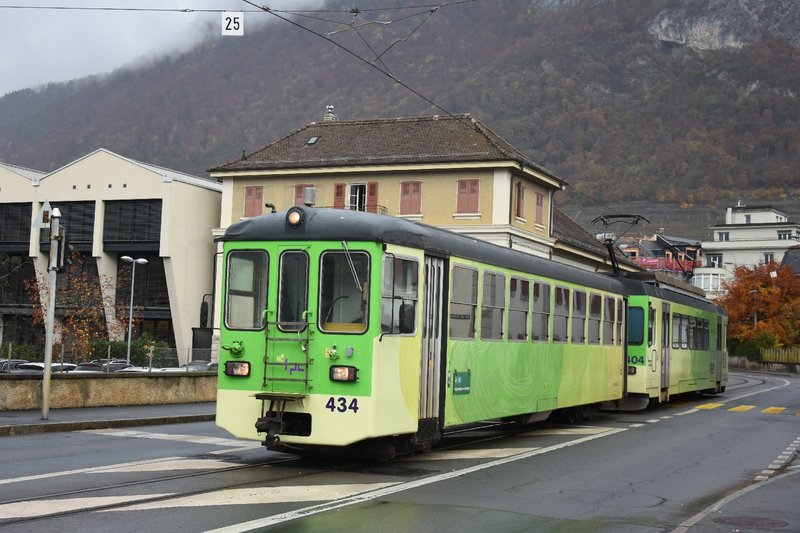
(38, 46)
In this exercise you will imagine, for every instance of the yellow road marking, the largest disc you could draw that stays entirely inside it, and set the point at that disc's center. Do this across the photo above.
(741, 408)
(773, 410)
(710, 405)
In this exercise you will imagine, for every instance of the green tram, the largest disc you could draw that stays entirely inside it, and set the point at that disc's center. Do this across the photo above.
(341, 328)
(677, 342)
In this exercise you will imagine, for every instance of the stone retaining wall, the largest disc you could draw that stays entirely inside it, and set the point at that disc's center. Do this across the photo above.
(742, 363)
(20, 392)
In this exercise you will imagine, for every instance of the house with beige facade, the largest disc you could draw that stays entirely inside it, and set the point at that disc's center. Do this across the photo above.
(113, 207)
(451, 172)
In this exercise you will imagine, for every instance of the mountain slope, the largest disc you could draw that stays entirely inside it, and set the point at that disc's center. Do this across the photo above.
(674, 101)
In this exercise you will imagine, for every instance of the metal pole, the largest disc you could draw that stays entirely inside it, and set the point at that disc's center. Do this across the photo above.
(130, 311)
(51, 310)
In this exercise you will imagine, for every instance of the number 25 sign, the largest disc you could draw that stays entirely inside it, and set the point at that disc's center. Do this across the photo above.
(232, 23)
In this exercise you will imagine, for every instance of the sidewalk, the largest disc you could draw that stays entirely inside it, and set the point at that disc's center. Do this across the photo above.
(28, 422)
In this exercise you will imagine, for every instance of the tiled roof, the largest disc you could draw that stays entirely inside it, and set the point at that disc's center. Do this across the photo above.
(570, 232)
(432, 139)
(792, 259)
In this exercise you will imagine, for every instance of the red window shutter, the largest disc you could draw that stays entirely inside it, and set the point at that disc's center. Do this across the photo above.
(405, 193)
(372, 197)
(461, 206)
(253, 196)
(468, 192)
(539, 208)
(416, 198)
(520, 209)
(410, 198)
(338, 195)
(298, 194)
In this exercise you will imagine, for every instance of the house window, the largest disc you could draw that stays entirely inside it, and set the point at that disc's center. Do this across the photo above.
(784, 234)
(356, 196)
(539, 208)
(714, 260)
(300, 192)
(253, 198)
(769, 257)
(468, 191)
(519, 206)
(411, 198)
(723, 236)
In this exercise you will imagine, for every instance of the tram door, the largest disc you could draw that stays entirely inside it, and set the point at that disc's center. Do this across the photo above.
(666, 338)
(431, 368)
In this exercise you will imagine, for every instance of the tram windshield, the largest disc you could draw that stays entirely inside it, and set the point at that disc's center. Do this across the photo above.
(247, 289)
(344, 292)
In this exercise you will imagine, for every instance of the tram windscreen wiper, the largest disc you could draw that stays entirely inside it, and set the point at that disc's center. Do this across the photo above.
(352, 266)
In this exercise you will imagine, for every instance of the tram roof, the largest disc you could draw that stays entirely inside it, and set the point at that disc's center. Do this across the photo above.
(325, 224)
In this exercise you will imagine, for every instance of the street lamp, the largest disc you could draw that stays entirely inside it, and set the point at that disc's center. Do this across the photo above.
(140, 261)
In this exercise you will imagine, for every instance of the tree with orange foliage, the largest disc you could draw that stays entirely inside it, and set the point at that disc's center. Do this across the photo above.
(763, 305)
(79, 306)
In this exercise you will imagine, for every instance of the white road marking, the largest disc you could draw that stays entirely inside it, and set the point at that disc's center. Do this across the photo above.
(762, 481)
(194, 439)
(36, 508)
(581, 430)
(446, 455)
(260, 495)
(177, 464)
(93, 469)
(387, 491)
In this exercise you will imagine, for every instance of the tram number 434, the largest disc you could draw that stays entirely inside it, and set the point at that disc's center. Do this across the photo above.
(342, 404)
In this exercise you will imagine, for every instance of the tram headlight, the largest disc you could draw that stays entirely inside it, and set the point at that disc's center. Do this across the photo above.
(295, 217)
(344, 373)
(631, 370)
(237, 368)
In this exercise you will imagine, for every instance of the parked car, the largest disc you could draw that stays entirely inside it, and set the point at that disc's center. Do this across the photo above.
(102, 366)
(7, 365)
(34, 368)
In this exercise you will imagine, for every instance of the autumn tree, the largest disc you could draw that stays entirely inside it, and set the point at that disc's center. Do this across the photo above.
(79, 305)
(763, 305)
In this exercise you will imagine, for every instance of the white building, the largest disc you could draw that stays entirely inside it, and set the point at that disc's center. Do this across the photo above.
(112, 207)
(750, 236)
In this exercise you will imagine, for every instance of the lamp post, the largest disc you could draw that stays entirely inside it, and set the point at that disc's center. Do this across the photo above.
(140, 261)
(755, 309)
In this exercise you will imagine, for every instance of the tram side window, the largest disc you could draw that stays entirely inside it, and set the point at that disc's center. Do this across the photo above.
(692, 333)
(608, 321)
(578, 317)
(635, 326)
(651, 327)
(561, 314)
(247, 289)
(344, 292)
(463, 303)
(293, 296)
(519, 297)
(541, 312)
(595, 314)
(399, 295)
(681, 331)
(620, 321)
(493, 305)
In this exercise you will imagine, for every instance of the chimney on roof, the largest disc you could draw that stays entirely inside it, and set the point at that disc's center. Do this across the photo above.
(330, 116)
